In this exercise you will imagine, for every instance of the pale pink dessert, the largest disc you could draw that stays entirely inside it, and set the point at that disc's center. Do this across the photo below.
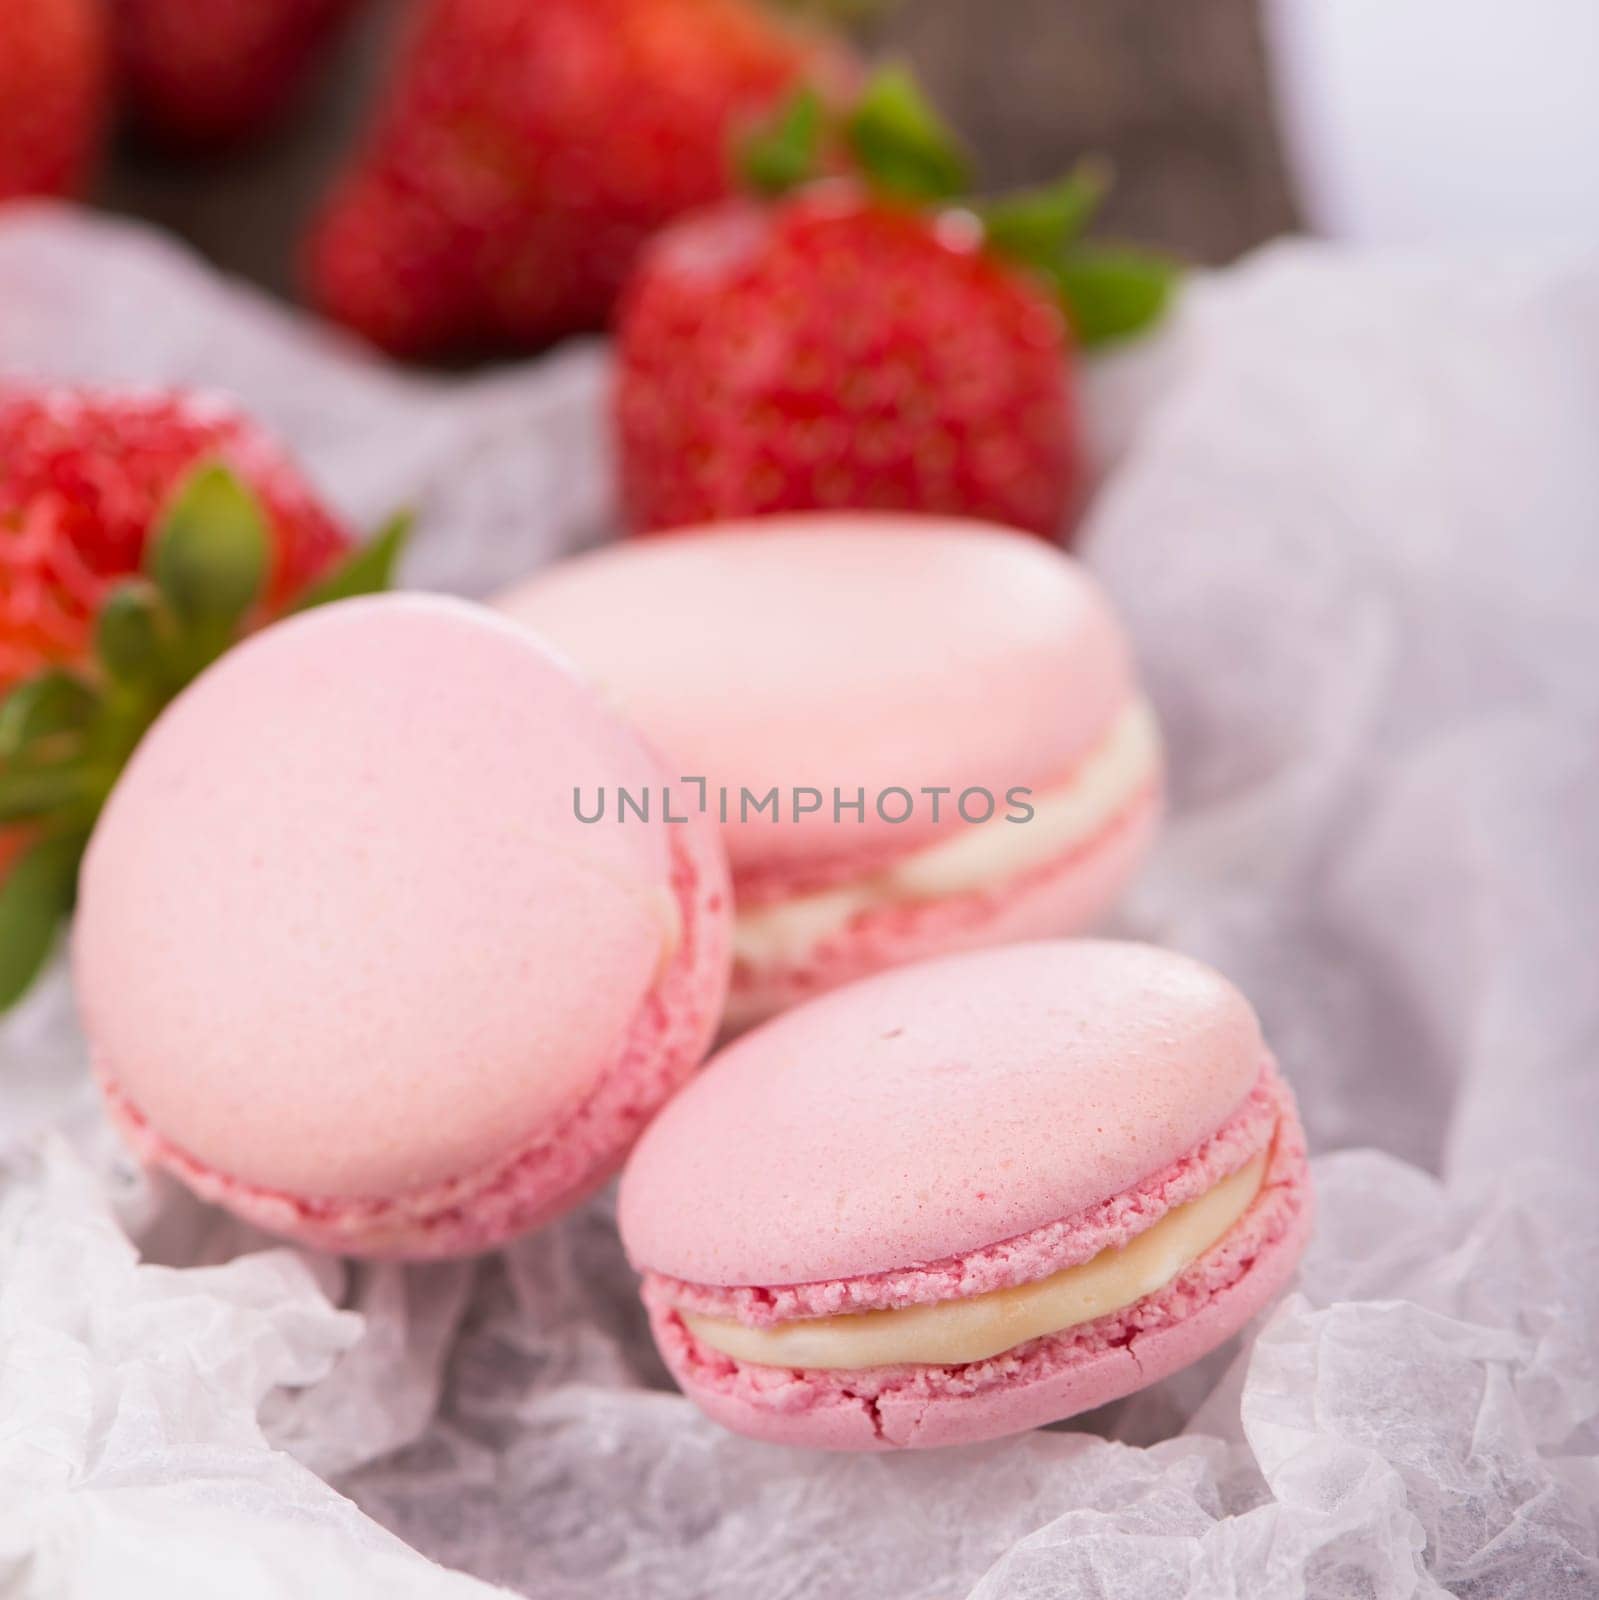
(348, 962)
(857, 659)
(968, 1197)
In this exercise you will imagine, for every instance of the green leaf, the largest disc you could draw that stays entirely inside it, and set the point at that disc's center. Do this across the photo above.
(1114, 291)
(369, 570)
(127, 633)
(901, 144)
(210, 556)
(786, 152)
(28, 794)
(50, 703)
(1037, 225)
(35, 896)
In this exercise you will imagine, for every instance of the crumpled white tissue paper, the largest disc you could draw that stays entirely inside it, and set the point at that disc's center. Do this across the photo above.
(1351, 510)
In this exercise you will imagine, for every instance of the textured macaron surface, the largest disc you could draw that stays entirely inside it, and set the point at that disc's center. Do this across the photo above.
(937, 1110)
(341, 932)
(844, 650)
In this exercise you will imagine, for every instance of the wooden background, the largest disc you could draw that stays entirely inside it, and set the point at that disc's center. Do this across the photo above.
(1174, 91)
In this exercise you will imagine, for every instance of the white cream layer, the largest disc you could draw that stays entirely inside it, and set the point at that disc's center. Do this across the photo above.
(978, 856)
(951, 1332)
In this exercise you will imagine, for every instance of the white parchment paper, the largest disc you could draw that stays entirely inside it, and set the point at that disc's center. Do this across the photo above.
(1352, 514)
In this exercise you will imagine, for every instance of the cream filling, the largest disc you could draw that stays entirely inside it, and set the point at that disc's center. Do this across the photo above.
(949, 1333)
(670, 915)
(982, 854)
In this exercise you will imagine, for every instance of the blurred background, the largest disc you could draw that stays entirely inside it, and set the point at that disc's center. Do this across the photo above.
(1228, 123)
(1177, 95)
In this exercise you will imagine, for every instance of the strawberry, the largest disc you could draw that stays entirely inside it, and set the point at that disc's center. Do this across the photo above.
(838, 351)
(866, 342)
(524, 151)
(53, 86)
(206, 568)
(85, 478)
(220, 78)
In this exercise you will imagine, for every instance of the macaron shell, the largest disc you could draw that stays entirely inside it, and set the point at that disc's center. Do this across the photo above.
(910, 1408)
(843, 649)
(340, 931)
(1068, 896)
(796, 1410)
(935, 1110)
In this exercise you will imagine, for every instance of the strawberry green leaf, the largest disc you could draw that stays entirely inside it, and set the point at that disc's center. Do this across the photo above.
(1037, 225)
(786, 152)
(127, 633)
(50, 703)
(209, 558)
(1114, 291)
(901, 145)
(369, 570)
(31, 793)
(35, 895)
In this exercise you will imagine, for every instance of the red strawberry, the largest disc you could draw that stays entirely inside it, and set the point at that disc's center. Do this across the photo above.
(221, 76)
(53, 94)
(840, 350)
(85, 478)
(863, 343)
(527, 148)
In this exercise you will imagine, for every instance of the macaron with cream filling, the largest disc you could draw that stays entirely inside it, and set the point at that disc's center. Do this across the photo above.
(968, 1197)
(348, 962)
(917, 735)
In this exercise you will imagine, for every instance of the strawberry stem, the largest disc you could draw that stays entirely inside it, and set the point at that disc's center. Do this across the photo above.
(1037, 226)
(52, 703)
(368, 570)
(35, 897)
(787, 152)
(1111, 291)
(901, 144)
(902, 148)
(32, 794)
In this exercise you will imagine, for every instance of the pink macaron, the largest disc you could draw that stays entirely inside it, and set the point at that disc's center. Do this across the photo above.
(347, 961)
(968, 1197)
(916, 735)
